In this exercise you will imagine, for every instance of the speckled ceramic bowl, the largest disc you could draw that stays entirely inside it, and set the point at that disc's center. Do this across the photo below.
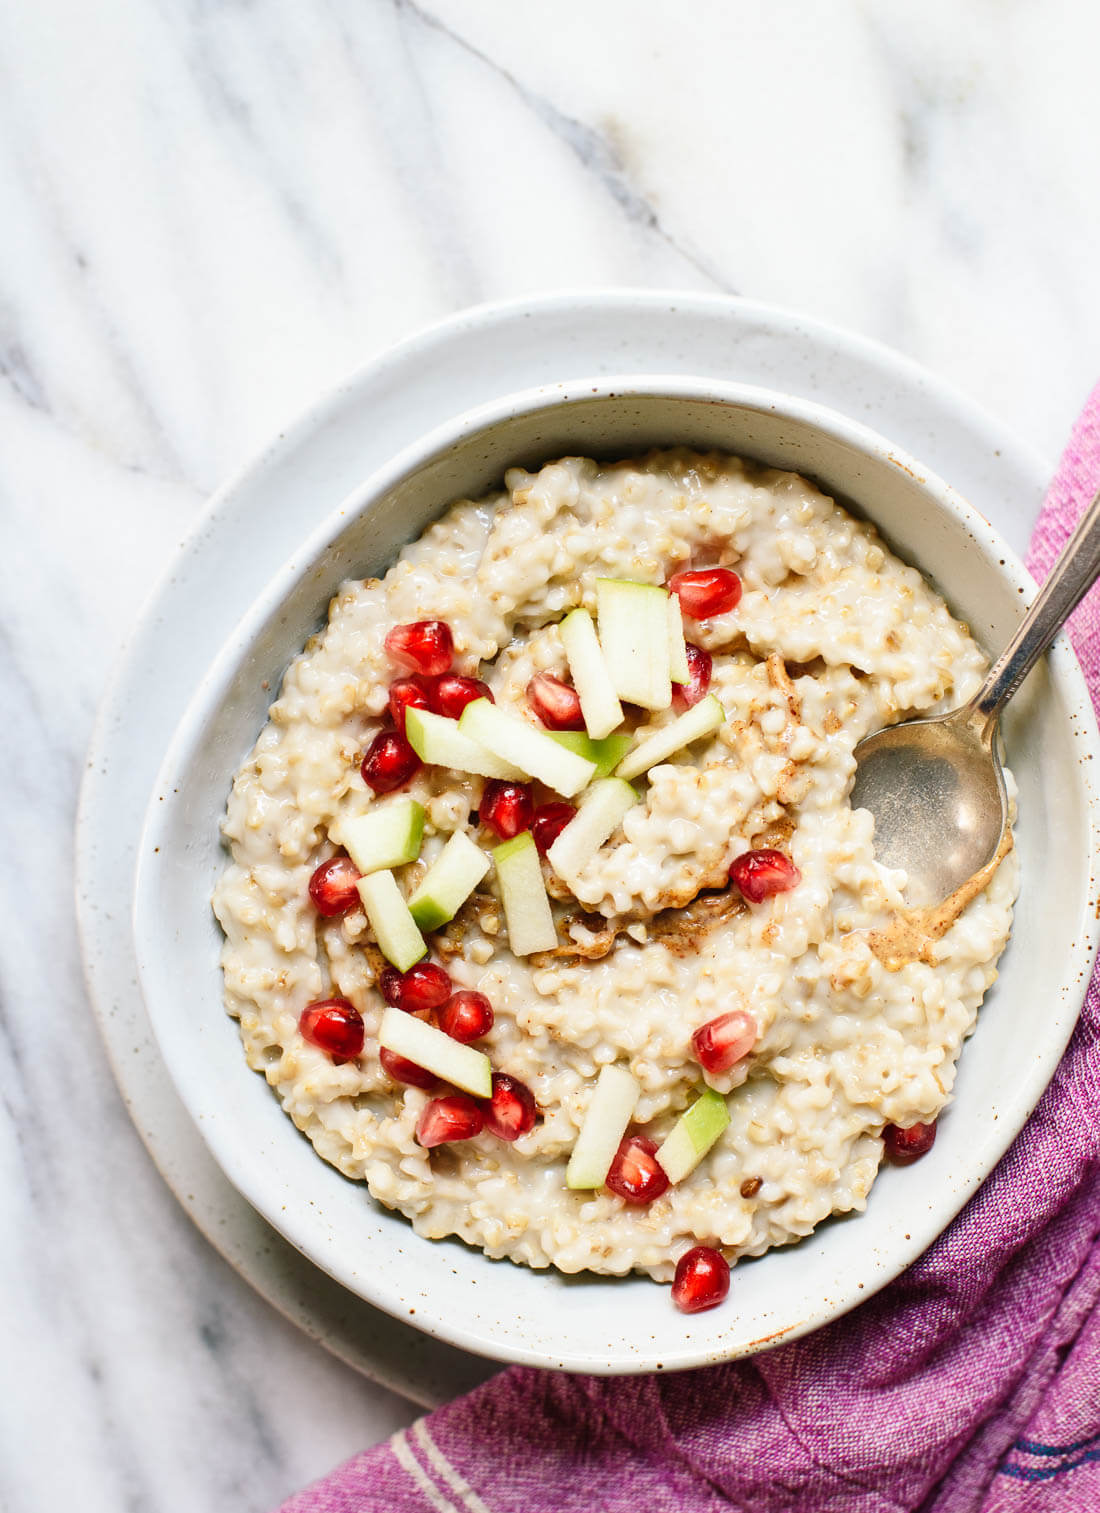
(595, 1324)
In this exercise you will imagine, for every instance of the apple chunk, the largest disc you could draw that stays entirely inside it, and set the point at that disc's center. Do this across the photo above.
(388, 835)
(677, 646)
(605, 754)
(439, 742)
(513, 740)
(610, 1110)
(692, 1135)
(523, 893)
(448, 1059)
(701, 719)
(448, 882)
(395, 930)
(599, 702)
(600, 813)
(634, 634)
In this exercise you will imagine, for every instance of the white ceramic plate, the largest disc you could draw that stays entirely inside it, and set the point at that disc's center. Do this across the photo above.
(452, 1291)
(257, 521)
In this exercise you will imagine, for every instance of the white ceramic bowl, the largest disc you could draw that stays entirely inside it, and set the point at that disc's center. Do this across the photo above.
(595, 1324)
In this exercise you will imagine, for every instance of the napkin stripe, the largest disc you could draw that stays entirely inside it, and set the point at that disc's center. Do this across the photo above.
(402, 1452)
(443, 1467)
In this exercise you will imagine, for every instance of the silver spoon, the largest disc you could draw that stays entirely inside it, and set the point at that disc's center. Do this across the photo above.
(935, 787)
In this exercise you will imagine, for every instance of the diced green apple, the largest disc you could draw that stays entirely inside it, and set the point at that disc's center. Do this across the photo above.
(440, 742)
(634, 635)
(610, 1110)
(700, 720)
(523, 893)
(399, 940)
(599, 815)
(677, 646)
(388, 835)
(692, 1135)
(448, 882)
(606, 754)
(511, 739)
(450, 1060)
(599, 702)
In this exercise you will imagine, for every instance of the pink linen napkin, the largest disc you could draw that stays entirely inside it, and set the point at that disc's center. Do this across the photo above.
(970, 1385)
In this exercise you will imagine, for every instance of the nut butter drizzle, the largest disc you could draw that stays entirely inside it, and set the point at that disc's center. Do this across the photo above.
(912, 933)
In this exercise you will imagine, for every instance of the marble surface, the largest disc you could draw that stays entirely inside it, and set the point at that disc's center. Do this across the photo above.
(213, 209)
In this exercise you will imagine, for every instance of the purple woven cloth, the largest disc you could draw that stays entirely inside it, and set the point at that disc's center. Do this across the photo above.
(970, 1385)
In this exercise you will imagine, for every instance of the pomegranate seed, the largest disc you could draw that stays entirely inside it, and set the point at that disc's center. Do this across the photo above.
(759, 874)
(904, 1146)
(456, 1117)
(389, 985)
(401, 1070)
(722, 1042)
(557, 705)
(466, 1016)
(636, 1175)
(549, 822)
(415, 692)
(425, 646)
(706, 591)
(506, 808)
(332, 887)
(684, 695)
(511, 1111)
(389, 763)
(702, 1279)
(452, 693)
(425, 986)
(333, 1025)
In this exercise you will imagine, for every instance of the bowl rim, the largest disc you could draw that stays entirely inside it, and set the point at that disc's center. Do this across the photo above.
(212, 687)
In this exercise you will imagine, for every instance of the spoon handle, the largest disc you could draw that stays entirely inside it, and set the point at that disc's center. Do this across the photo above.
(1070, 579)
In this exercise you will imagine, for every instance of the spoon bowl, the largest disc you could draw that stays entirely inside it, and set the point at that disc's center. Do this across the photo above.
(936, 787)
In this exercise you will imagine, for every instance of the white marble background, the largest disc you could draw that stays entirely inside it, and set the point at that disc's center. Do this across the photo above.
(212, 209)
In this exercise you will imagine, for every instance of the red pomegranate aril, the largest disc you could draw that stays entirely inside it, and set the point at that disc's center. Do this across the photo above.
(511, 1111)
(760, 874)
(557, 705)
(506, 808)
(389, 985)
(399, 1069)
(453, 692)
(549, 822)
(684, 695)
(636, 1175)
(466, 1016)
(333, 1025)
(904, 1146)
(702, 1279)
(456, 1117)
(706, 591)
(724, 1041)
(390, 762)
(332, 887)
(425, 986)
(415, 693)
(425, 646)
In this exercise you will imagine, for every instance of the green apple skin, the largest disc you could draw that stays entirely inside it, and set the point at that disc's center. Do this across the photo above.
(387, 836)
(605, 755)
(692, 1136)
(448, 882)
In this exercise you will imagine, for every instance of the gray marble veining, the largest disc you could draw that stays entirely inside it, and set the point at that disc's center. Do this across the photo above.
(210, 212)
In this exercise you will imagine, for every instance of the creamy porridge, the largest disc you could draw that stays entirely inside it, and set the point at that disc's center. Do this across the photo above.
(771, 990)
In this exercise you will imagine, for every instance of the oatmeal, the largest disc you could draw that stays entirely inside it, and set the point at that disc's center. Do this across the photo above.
(679, 969)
